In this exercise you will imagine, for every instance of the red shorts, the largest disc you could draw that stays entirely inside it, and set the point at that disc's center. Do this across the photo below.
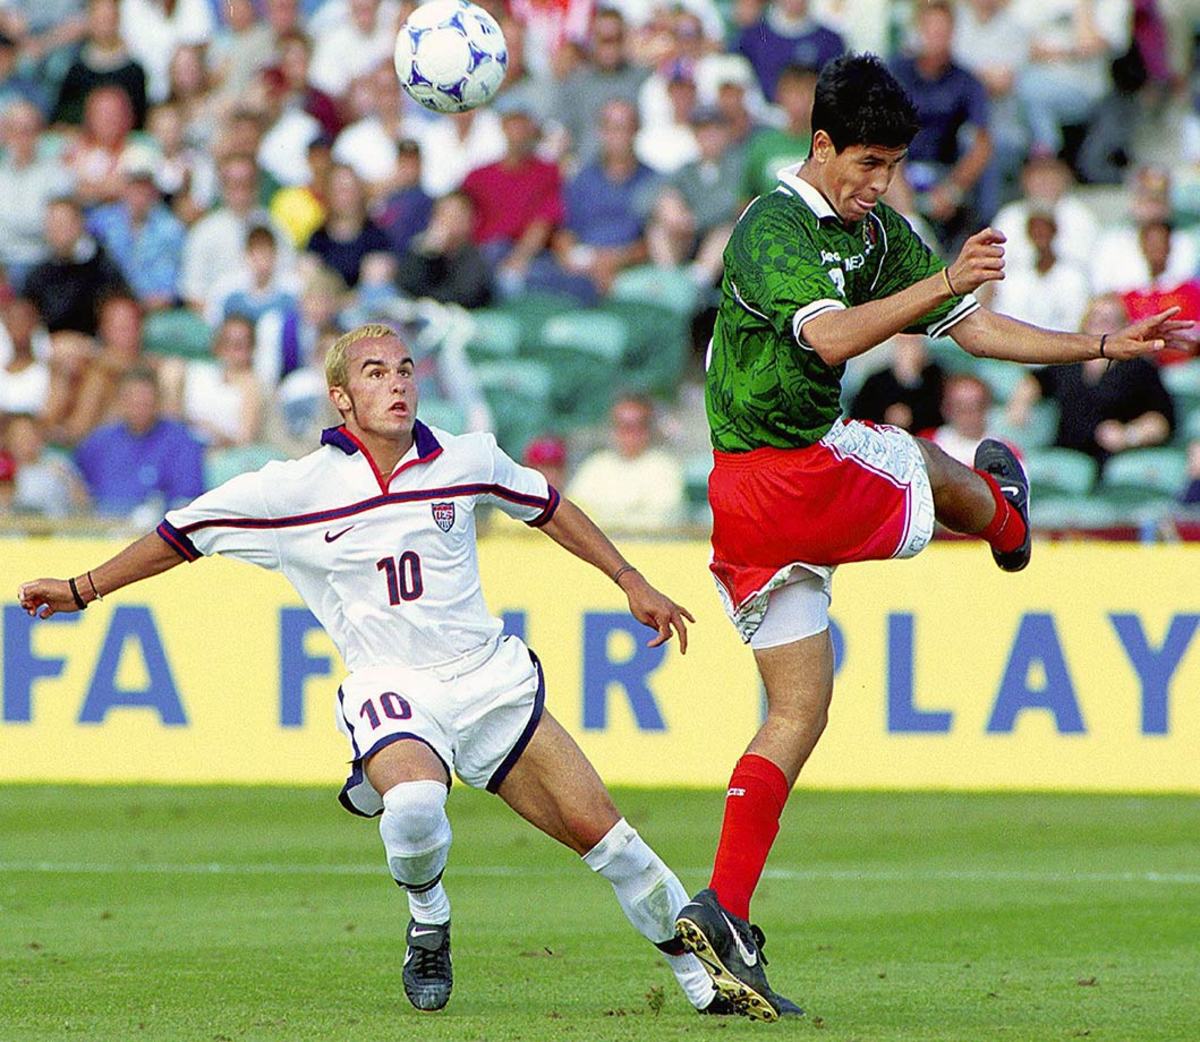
(859, 494)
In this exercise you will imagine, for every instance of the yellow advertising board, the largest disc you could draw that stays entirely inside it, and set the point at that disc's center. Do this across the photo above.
(1081, 673)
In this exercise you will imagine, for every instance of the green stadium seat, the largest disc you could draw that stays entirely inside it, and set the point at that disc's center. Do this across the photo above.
(1038, 431)
(222, 464)
(695, 478)
(1078, 512)
(440, 412)
(518, 393)
(668, 288)
(531, 310)
(1188, 429)
(1183, 381)
(1141, 475)
(1002, 377)
(180, 333)
(497, 335)
(1060, 471)
(951, 357)
(657, 347)
(584, 350)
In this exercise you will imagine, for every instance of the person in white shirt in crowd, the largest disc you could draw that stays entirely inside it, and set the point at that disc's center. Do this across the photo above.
(47, 483)
(631, 484)
(27, 185)
(258, 286)
(184, 175)
(1051, 293)
(1118, 264)
(153, 29)
(353, 45)
(1047, 184)
(24, 354)
(218, 398)
(966, 400)
(240, 48)
(376, 531)
(453, 146)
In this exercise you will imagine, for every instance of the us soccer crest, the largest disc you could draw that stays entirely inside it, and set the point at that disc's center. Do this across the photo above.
(443, 515)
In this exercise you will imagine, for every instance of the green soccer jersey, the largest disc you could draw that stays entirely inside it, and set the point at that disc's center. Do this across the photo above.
(791, 258)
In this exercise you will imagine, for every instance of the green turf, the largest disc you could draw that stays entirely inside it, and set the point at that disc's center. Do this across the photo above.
(962, 918)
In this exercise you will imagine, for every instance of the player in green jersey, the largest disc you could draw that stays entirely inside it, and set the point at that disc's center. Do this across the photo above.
(817, 271)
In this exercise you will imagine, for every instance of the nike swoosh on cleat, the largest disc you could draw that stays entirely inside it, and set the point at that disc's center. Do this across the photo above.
(748, 957)
(331, 538)
(1010, 490)
(424, 933)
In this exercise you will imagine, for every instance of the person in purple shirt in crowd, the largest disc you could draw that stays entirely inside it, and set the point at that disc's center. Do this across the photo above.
(141, 460)
(406, 210)
(949, 101)
(787, 34)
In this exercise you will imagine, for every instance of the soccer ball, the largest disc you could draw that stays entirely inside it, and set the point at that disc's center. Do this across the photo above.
(451, 55)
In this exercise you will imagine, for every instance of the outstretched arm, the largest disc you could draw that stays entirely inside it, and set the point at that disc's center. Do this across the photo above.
(572, 529)
(149, 556)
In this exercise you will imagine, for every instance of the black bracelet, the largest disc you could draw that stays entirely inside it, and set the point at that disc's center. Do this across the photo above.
(1103, 337)
(80, 603)
(621, 571)
(92, 583)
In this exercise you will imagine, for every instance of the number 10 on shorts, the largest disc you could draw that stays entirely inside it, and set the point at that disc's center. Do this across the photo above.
(394, 708)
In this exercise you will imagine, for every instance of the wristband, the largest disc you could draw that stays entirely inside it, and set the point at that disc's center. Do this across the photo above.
(80, 603)
(1103, 337)
(949, 284)
(621, 571)
(92, 583)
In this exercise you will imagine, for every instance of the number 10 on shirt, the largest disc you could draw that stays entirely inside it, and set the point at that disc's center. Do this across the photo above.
(403, 576)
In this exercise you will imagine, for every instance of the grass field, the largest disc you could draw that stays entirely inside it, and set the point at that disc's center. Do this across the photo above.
(223, 915)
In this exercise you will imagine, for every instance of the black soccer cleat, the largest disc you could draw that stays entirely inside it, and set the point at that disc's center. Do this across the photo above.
(428, 975)
(730, 949)
(719, 1007)
(995, 458)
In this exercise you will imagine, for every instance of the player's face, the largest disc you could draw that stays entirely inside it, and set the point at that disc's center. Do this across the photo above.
(854, 178)
(381, 388)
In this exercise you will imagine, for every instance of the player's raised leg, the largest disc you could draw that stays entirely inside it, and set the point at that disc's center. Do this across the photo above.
(555, 787)
(413, 783)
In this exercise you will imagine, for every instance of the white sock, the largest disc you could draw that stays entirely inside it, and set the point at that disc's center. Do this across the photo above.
(651, 897)
(416, 836)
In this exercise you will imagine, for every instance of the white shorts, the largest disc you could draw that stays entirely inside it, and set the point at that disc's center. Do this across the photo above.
(477, 714)
(797, 609)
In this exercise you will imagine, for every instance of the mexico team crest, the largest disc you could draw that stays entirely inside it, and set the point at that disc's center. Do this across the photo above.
(443, 515)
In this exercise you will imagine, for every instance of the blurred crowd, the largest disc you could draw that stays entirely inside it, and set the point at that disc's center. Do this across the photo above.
(197, 196)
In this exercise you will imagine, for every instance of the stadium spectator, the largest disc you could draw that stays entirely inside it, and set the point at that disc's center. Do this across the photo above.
(102, 148)
(42, 27)
(549, 29)
(354, 47)
(547, 454)
(295, 54)
(66, 286)
(154, 29)
(101, 60)
(240, 47)
(452, 148)
(215, 243)
(191, 87)
(952, 149)
(27, 184)
(24, 376)
(15, 84)
(631, 483)
(606, 207)
(46, 483)
(1051, 293)
(908, 393)
(369, 143)
(8, 476)
(220, 399)
(258, 287)
(299, 409)
(1189, 496)
(442, 262)
(670, 143)
(406, 209)
(142, 462)
(728, 81)
(966, 400)
(518, 201)
(1103, 409)
(286, 341)
(1159, 293)
(787, 35)
(288, 131)
(142, 236)
(301, 209)
(1047, 185)
(185, 176)
(348, 234)
(607, 74)
(685, 47)
(1068, 72)
(82, 395)
(770, 149)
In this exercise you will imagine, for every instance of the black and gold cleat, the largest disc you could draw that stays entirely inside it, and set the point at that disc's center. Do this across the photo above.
(428, 974)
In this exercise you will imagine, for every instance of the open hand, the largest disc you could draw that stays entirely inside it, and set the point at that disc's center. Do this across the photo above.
(656, 610)
(980, 260)
(1149, 335)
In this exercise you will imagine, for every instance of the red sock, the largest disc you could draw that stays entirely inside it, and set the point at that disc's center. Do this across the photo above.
(1006, 530)
(757, 792)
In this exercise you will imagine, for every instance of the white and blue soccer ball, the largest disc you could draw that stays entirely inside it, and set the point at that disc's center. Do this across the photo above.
(451, 55)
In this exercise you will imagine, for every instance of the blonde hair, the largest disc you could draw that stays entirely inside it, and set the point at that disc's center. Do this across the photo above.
(337, 365)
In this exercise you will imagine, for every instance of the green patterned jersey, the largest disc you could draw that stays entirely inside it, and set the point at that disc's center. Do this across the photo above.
(791, 258)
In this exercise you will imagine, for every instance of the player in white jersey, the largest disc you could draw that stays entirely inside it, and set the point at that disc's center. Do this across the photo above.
(376, 531)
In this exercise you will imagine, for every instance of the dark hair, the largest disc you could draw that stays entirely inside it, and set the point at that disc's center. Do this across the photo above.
(858, 102)
(260, 235)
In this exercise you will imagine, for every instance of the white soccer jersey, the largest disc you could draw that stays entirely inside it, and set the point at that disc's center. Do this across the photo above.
(388, 565)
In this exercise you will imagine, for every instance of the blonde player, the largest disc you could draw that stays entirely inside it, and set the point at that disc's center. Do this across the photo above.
(376, 531)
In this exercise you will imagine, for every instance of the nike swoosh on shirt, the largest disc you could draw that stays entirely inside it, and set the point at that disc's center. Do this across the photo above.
(330, 538)
(748, 957)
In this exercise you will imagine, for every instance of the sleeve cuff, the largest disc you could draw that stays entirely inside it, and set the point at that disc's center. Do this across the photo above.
(177, 541)
(811, 311)
(961, 310)
(552, 502)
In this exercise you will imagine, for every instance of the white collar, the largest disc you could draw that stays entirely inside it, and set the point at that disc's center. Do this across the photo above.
(789, 176)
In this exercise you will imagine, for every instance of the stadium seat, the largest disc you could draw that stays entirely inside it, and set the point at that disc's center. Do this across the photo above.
(1002, 377)
(1060, 471)
(584, 350)
(1183, 381)
(1037, 433)
(1141, 475)
(497, 335)
(443, 413)
(657, 345)
(1188, 429)
(518, 393)
(1081, 512)
(179, 332)
(952, 358)
(667, 288)
(222, 464)
(531, 310)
